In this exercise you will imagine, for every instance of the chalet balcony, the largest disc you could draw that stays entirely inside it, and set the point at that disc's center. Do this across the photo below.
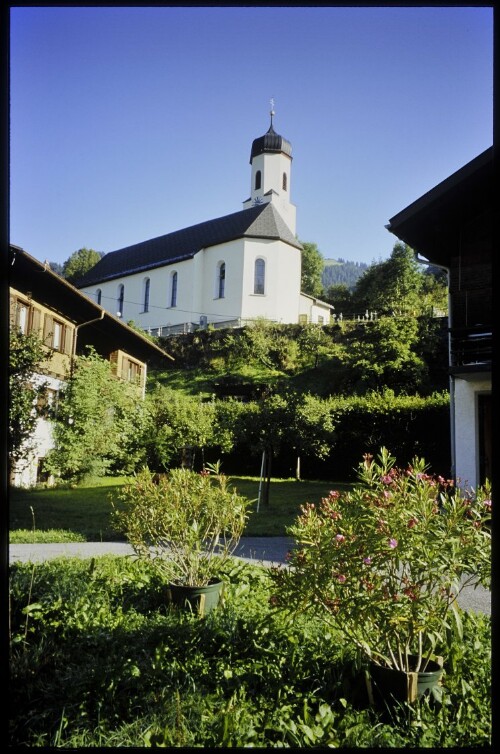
(472, 348)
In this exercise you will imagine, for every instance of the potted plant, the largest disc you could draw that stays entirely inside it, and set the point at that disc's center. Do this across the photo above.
(385, 562)
(188, 524)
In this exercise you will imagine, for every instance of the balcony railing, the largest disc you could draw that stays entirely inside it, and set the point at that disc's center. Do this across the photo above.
(471, 346)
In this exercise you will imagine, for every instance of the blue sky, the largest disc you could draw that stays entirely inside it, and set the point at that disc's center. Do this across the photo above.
(131, 122)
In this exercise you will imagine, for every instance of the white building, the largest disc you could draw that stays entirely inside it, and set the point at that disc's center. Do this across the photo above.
(226, 272)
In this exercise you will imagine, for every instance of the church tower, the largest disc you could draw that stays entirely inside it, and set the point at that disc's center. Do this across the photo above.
(271, 161)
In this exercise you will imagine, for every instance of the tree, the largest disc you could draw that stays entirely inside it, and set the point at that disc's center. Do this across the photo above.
(97, 422)
(175, 426)
(80, 262)
(392, 286)
(57, 268)
(340, 297)
(383, 353)
(25, 356)
(312, 269)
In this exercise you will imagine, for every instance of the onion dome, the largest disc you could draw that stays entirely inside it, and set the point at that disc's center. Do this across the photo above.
(270, 143)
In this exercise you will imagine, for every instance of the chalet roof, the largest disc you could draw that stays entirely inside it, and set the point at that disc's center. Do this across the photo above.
(432, 224)
(97, 327)
(262, 221)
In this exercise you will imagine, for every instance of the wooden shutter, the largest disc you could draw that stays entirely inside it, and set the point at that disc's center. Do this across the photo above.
(68, 340)
(48, 329)
(13, 311)
(36, 320)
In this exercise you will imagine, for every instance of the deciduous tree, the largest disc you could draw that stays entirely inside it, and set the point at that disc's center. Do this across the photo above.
(79, 263)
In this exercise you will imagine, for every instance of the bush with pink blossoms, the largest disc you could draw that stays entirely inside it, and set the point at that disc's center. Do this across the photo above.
(385, 562)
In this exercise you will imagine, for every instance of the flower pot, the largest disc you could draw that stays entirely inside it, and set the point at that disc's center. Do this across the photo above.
(197, 599)
(387, 685)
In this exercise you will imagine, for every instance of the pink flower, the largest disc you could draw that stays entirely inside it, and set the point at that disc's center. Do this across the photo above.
(487, 503)
(341, 578)
(340, 538)
(412, 522)
(367, 561)
(386, 479)
(393, 543)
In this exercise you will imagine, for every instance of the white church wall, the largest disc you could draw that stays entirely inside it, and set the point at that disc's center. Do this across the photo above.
(282, 281)
(466, 429)
(229, 306)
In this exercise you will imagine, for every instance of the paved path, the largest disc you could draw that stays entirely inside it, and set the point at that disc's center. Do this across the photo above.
(260, 550)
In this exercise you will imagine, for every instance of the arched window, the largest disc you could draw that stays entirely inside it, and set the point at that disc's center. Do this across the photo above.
(258, 180)
(120, 299)
(259, 279)
(285, 181)
(146, 294)
(98, 295)
(221, 280)
(173, 289)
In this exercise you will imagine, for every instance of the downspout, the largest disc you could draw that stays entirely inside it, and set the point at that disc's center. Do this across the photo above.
(451, 378)
(77, 327)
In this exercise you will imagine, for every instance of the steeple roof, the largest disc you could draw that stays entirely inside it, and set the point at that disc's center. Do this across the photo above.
(262, 221)
(271, 142)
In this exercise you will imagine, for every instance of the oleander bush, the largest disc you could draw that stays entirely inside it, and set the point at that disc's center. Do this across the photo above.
(97, 659)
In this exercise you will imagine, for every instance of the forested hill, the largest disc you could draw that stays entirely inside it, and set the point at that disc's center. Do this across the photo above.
(340, 272)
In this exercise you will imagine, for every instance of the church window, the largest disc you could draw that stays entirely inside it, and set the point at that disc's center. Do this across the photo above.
(173, 289)
(98, 295)
(285, 181)
(147, 284)
(259, 276)
(258, 180)
(120, 299)
(221, 280)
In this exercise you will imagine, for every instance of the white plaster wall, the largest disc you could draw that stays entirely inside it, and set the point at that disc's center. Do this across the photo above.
(230, 306)
(280, 301)
(160, 312)
(314, 310)
(26, 473)
(466, 430)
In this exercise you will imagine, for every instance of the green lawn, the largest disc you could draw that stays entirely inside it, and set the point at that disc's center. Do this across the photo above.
(83, 512)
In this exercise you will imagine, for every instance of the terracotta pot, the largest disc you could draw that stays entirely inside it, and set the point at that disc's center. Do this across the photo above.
(198, 599)
(387, 685)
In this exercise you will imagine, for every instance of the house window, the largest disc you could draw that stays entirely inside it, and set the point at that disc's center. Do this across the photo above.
(146, 294)
(321, 320)
(259, 276)
(131, 371)
(120, 300)
(302, 319)
(22, 318)
(221, 280)
(57, 335)
(258, 180)
(173, 289)
(98, 295)
(285, 181)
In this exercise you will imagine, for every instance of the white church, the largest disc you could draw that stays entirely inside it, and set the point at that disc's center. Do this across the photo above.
(226, 272)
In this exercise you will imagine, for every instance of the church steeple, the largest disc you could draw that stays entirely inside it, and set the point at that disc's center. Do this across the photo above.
(271, 161)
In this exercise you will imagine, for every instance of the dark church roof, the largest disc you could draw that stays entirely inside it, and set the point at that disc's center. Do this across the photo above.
(270, 142)
(262, 221)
